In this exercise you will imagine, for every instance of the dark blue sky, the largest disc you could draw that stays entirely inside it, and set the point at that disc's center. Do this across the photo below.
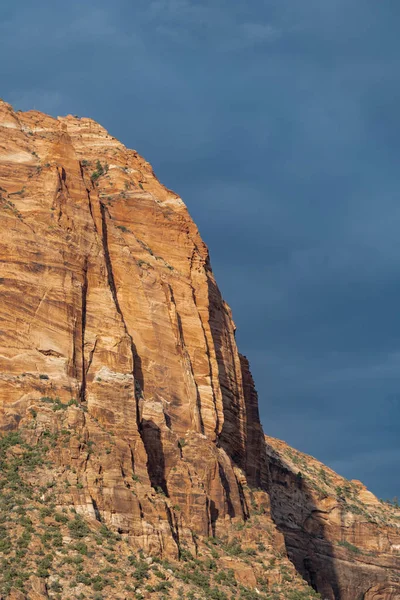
(278, 123)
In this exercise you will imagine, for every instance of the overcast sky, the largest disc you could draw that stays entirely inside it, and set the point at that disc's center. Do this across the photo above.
(278, 123)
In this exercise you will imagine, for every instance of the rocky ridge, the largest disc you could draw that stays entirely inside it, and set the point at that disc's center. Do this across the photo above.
(341, 538)
(133, 461)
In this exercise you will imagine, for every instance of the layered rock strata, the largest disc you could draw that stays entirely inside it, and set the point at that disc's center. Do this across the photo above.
(341, 538)
(108, 298)
(120, 374)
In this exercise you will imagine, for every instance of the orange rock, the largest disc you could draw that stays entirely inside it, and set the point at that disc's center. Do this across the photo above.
(339, 536)
(117, 346)
(109, 299)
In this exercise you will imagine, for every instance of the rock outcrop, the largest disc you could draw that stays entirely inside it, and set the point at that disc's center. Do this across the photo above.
(128, 416)
(341, 538)
(108, 298)
(118, 363)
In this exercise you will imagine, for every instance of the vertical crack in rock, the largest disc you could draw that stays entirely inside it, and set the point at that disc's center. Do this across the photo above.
(180, 340)
(227, 490)
(217, 421)
(83, 328)
(173, 528)
(91, 209)
(58, 197)
(62, 192)
(148, 431)
(91, 354)
(96, 509)
(152, 440)
(245, 508)
(137, 367)
(72, 370)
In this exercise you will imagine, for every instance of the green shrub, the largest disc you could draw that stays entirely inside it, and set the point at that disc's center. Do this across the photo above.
(60, 518)
(141, 571)
(78, 528)
(98, 172)
(44, 566)
(350, 547)
(81, 548)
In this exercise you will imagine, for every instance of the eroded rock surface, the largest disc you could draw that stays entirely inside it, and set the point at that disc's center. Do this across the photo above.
(120, 373)
(342, 539)
(108, 298)
(128, 416)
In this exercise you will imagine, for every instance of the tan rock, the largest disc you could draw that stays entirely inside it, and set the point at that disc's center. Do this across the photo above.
(109, 298)
(118, 351)
(339, 536)
(244, 573)
(39, 589)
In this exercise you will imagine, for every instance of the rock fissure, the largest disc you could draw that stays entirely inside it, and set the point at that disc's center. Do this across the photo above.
(181, 345)
(84, 368)
(137, 371)
(210, 367)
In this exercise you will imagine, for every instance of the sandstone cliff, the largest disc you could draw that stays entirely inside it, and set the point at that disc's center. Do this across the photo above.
(342, 539)
(118, 367)
(131, 443)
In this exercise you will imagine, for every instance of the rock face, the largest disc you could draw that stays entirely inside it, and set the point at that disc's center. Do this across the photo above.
(108, 298)
(341, 538)
(117, 347)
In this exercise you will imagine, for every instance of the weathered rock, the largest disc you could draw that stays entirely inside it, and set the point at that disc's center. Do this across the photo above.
(118, 359)
(38, 589)
(108, 297)
(16, 595)
(341, 538)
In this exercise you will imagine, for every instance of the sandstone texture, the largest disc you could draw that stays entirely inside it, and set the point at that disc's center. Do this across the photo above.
(341, 538)
(108, 298)
(136, 417)
(132, 459)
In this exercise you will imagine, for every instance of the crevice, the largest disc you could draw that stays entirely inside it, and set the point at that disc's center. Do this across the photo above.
(91, 209)
(50, 352)
(132, 457)
(141, 509)
(91, 357)
(245, 508)
(74, 369)
(136, 360)
(214, 513)
(196, 546)
(151, 436)
(174, 529)
(81, 170)
(62, 185)
(96, 510)
(83, 328)
(137, 365)
(227, 489)
(185, 354)
(209, 364)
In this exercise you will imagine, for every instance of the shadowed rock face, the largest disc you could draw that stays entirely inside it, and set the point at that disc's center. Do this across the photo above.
(117, 345)
(341, 538)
